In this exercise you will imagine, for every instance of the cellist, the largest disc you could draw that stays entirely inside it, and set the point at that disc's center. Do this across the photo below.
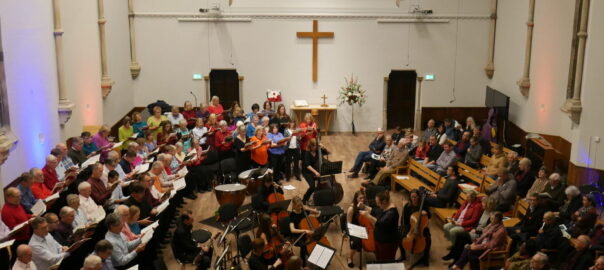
(352, 216)
(267, 188)
(386, 227)
(408, 209)
(299, 213)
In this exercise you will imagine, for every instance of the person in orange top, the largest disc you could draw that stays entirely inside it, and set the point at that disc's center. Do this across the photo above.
(309, 128)
(260, 148)
(38, 188)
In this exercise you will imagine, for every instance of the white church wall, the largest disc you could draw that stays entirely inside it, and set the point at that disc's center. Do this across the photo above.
(30, 67)
(82, 64)
(540, 112)
(586, 151)
(267, 52)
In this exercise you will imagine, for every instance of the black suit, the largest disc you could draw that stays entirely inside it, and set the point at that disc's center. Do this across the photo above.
(185, 249)
(447, 194)
(529, 226)
(550, 238)
(524, 182)
(578, 260)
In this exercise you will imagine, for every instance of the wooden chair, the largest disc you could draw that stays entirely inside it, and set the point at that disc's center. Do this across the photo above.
(495, 258)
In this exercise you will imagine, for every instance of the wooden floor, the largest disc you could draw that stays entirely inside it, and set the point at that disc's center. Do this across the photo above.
(343, 147)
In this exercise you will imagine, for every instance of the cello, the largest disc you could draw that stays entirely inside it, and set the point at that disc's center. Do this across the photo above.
(273, 198)
(329, 181)
(369, 243)
(311, 223)
(415, 241)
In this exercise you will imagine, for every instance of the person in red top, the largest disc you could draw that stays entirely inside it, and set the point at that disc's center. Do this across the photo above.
(222, 142)
(259, 148)
(38, 187)
(189, 114)
(465, 218)
(309, 131)
(100, 193)
(50, 174)
(13, 214)
(216, 108)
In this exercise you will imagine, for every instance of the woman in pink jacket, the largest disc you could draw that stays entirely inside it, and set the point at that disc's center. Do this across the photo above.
(465, 218)
(494, 237)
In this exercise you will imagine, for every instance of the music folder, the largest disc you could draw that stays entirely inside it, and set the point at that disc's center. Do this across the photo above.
(321, 256)
(279, 206)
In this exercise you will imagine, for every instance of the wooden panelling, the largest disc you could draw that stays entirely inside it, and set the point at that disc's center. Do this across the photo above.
(579, 176)
(460, 114)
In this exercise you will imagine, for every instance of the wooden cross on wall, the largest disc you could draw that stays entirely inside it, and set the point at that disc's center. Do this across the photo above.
(315, 35)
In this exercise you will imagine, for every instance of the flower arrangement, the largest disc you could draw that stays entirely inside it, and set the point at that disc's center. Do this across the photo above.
(352, 92)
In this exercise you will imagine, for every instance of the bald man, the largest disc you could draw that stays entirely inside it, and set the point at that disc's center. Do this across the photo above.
(539, 261)
(13, 214)
(549, 236)
(24, 261)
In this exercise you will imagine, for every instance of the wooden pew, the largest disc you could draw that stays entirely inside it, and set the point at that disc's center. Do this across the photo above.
(443, 213)
(474, 175)
(409, 182)
(520, 208)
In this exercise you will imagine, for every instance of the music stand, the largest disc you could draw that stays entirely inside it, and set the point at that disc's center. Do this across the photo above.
(321, 256)
(279, 206)
(358, 232)
(328, 168)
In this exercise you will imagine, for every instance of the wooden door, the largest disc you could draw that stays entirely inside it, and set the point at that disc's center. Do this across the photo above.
(224, 83)
(400, 108)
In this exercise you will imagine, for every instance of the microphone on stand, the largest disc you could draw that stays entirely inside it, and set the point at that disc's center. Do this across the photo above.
(194, 96)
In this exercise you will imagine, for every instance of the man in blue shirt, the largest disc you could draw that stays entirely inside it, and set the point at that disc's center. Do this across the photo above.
(27, 197)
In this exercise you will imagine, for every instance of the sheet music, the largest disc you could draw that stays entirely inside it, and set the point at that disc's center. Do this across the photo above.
(179, 184)
(386, 266)
(90, 161)
(134, 136)
(117, 145)
(7, 243)
(321, 256)
(142, 168)
(374, 267)
(54, 196)
(402, 177)
(133, 267)
(147, 237)
(38, 208)
(465, 187)
(289, 187)
(315, 254)
(163, 206)
(357, 231)
(375, 156)
(151, 226)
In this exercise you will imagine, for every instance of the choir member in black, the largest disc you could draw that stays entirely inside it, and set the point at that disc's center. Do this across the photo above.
(185, 249)
(352, 215)
(295, 217)
(267, 188)
(409, 208)
(257, 260)
(242, 153)
(292, 152)
(386, 231)
(310, 168)
(281, 118)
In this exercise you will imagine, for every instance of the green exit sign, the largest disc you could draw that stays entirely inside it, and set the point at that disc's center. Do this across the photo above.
(429, 77)
(197, 76)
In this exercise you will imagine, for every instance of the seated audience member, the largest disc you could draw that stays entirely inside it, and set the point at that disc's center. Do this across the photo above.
(465, 218)
(124, 212)
(99, 191)
(540, 181)
(461, 148)
(429, 131)
(573, 202)
(65, 227)
(134, 214)
(92, 262)
(185, 249)
(397, 135)
(398, 158)
(597, 235)
(375, 147)
(38, 187)
(484, 142)
(599, 264)
(175, 116)
(446, 159)
(76, 152)
(580, 258)
(524, 177)
(549, 235)
(513, 163)
(104, 249)
(27, 197)
(530, 223)
(555, 189)
(497, 161)
(434, 152)
(473, 154)
(539, 261)
(13, 214)
(522, 259)
(86, 201)
(441, 136)
(256, 261)
(46, 251)
(124, 252)
(375, 165)
(450, 130)
(583, 220)
(138, 125)
(493, 237)
(447, 194)
(503, 190)
(24, 258)
(421, 151)
(137, 198)
(81, 219)
(90, 149)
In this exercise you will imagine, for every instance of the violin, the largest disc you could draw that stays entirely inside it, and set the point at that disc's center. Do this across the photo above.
(311, 223)
(415, 241)
(274, 245)
(273, 198)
